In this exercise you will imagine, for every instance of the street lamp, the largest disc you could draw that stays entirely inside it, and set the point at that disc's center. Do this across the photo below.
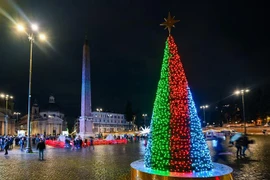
(242, 92)
(16, 123)
(31, 37)
(17, 113)
(6, 97)
(99, 110)
(144, 118)
(203, 108)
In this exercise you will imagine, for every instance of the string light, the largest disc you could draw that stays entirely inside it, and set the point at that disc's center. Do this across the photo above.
(176, 142)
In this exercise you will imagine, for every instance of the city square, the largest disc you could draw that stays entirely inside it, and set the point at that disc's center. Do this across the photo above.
(115, 97)
(113, 162)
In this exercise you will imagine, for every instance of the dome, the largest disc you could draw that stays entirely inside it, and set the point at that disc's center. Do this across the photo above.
(52, 106)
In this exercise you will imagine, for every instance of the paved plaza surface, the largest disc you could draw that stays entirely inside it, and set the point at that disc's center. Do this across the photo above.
(112, 162)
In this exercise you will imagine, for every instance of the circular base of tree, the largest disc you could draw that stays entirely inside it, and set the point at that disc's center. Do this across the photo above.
(219, 172)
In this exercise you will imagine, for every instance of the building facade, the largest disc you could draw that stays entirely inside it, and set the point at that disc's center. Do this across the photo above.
(46, 121)
(107, 122)
(7, 122)
(10, 122)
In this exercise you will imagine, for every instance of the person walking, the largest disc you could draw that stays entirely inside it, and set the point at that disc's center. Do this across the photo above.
(219, 150)
(246, 143)
(91, 143)
(41, 146)
(6, 146)
(11, 142)
(21, 143)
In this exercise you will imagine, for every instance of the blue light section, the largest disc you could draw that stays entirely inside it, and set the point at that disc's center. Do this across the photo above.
(86, 108)
(199, 151)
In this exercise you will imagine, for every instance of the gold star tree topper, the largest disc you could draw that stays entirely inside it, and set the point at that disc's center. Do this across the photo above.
(169, 22)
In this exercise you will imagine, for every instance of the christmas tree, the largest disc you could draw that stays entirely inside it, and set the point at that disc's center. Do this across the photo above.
(176, 142)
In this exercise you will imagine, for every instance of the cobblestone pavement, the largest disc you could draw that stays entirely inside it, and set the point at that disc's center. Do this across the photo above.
(112, 162)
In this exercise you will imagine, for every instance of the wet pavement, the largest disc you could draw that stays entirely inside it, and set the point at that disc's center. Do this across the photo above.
(112, 162)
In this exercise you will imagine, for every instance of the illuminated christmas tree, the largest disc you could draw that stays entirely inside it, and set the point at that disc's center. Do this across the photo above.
(176, 142)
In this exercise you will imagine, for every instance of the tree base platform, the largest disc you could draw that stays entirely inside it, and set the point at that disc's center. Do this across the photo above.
(140, 172)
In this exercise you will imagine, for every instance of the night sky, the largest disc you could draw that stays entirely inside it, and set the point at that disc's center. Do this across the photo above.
(223, 45)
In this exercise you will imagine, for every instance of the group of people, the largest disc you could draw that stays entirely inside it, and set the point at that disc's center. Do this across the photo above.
(6, 143)
(78, 143)
(241, 142)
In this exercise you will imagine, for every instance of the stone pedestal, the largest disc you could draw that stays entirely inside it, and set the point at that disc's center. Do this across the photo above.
(86, 125)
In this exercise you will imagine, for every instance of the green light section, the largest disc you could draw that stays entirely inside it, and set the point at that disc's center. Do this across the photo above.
(157, 155)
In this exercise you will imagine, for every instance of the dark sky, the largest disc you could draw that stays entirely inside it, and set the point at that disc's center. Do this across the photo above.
(222, 44)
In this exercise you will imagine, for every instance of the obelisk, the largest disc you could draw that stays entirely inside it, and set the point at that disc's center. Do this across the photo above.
(86, 119)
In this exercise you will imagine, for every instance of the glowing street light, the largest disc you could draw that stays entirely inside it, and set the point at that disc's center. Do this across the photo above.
(99, 109)
(203, 108)
(243, 92)
(17, 113)
(42, 37)
(34, 27)
(20, 27)
(31, 37)
(144, 118)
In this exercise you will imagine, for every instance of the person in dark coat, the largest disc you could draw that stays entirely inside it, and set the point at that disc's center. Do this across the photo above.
(238, 145)
(246, 143)
(41, 146)
(6, 146)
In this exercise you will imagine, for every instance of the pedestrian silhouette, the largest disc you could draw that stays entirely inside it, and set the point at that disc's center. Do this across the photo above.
(41, 146)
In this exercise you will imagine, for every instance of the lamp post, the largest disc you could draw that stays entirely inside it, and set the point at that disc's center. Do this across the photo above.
(133, 122)
(6, 97)
(16, 123)
(99, 110)
(17, 114)
(203, 108)
(31, 37)
(242, 92)
(144, 119)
